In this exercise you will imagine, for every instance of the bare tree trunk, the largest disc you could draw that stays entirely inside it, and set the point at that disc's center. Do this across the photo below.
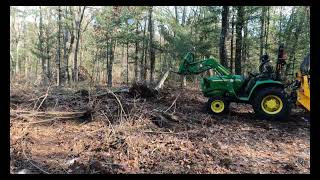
(99, 72)
(280, 25)
(244, 41)
(70, 45)
(112, 49)
(223, 36)
(107, 58)
(239, 28)
(26, 67)
(176, 13)
(142, 66)
(11, 62)
(127, 63)
(267, 29)
(41, 49)
(17, 59)
(136, 76)
(59, 47)
(160, 54)
(78, 26)
(36, 68)
(183, 16)
(151, 46)
(231, 48)
(262, 34)
(65, 57)
(48, 57)
(145, 61)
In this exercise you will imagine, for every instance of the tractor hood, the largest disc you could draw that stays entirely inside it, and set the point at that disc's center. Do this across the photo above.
(221, 84)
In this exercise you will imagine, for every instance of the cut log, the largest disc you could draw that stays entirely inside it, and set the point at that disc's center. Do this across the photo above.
(161, 82)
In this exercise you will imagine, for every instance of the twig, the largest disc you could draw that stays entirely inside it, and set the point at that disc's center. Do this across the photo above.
(122, 110)
(154, 150)
(47, 120)
(46, 95)
(108, 121)
(160, 132)
(36, 98)
(172, 103)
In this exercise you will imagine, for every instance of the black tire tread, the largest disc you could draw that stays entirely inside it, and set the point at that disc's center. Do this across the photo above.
(256, 104)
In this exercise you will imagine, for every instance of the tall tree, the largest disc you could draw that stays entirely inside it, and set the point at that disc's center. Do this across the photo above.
(127, 43)
(59, 47)
(136, 67)
(231, 43)
(223, 36)
(43, 60)
(280, 26)
(143, 66)
(262, 29)
(78, 22)
(267, 28)
(183, 16)
(245, 44)
(68, 34)
(115, 21)
(151, 45)
(184, 77)
(239, 28)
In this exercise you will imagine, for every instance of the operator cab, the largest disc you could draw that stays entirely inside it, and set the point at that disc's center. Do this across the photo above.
(265, 72)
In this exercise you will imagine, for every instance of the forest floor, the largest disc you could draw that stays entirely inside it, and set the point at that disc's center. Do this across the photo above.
(169, 133)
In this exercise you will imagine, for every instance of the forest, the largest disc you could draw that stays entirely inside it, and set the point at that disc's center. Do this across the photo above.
(126, 44)
(82, 96)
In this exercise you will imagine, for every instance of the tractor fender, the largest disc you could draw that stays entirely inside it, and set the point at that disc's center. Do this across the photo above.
(261, 84)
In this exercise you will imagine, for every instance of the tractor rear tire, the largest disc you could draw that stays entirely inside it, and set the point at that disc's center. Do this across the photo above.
(271, 104)
(218, 105)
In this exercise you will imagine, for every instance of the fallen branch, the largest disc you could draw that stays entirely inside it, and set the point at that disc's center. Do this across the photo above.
(108, 120)
(160, 132)
(45, 97)
(172, 103)
(47, 112)
(161, 82)
(48, 120)
(119, 102)
(53, 115)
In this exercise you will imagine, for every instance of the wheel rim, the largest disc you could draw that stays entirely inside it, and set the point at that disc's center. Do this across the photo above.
(271, 104)
(217, 106)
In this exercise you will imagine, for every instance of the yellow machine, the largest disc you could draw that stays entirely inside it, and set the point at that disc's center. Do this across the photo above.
(303, 77)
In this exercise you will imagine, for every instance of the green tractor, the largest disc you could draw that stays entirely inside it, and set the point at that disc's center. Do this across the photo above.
(266, 95)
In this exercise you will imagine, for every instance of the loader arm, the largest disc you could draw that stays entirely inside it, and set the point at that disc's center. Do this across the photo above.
(189, 66)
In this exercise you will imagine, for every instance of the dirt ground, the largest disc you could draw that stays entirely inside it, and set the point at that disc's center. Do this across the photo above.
(170, 133)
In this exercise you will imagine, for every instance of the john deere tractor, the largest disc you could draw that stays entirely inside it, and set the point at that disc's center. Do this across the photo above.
(266, 95)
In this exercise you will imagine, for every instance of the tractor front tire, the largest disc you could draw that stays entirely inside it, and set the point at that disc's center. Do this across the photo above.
(218, 105)
(271, 104)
